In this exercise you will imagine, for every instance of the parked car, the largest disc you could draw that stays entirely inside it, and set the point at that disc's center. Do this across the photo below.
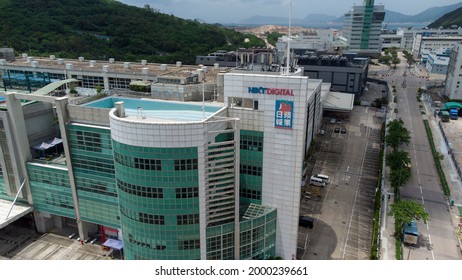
(337, 130)
(306, 221)
(343, 130)
(333, 120)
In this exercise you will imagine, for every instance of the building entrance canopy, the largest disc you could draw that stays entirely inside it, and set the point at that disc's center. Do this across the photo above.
(9, 214)
(114, 244)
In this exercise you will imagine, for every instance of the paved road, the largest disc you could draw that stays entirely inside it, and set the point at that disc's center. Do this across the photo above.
(436, 239)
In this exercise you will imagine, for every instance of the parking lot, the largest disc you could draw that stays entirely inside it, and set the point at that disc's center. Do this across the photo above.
(21, 242)
(343, 210)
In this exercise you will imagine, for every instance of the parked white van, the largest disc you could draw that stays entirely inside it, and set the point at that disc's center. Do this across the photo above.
(317, 181)
(323, 177)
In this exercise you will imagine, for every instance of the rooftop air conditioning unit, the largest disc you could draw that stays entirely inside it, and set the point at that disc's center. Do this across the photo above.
(144, 62)
(60, 61)
(127, 65)
(111, 60)
(205, 68)
(69, 66)
(92, 63)
(81, 58)
(52, 57)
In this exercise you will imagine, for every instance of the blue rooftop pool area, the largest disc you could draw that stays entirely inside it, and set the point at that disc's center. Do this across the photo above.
(158, 109)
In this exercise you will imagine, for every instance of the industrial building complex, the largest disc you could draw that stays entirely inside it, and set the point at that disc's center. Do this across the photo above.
(113, 150)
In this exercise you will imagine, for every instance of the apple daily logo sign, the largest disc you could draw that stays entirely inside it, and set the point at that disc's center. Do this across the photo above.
(272, 91)
(283, 114)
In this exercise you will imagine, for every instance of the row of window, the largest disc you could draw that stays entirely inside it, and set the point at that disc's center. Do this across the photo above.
(148, 164)
(182, 245)
(190, 219)
(253, 143)
(140, 190)
(142, 217)
(146, 218)
(251, 194)
(187, 192)
(96, 165)
(136, 242)
(251, 170)
(186, 164)
(90, 141)
(95, 186)
(154, 164)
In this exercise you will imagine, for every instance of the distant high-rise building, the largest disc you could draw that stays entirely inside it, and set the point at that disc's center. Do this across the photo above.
(362, 28)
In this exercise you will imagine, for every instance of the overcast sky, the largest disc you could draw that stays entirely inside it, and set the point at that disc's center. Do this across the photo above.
(233, 11)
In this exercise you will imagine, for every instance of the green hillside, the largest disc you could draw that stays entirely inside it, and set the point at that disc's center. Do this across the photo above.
(449, 19)
(100, 29)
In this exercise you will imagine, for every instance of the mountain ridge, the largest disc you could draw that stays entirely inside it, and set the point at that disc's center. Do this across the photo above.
(429, 15)
(100, 29)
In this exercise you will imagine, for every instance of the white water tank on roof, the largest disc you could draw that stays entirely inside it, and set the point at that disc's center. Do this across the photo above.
(52, 57)
(221, 80)
(60, 61)
(105, 68)
(34, 63)
(127, 65)
(205, 68)
(200, 74)
(81, 58)
(29, 59)
(24, 55)
(216, 65)
(163, 67)
(2, 61)
(92, 63)
(144, 62)
(69, 66)
(111, 60)
(178, 64)
(145, 71)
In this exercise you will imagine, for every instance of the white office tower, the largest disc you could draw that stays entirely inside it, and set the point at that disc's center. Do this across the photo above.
(362, 28)
(454, 77)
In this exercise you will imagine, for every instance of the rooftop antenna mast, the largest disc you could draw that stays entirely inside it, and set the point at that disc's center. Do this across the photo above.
(288, 39)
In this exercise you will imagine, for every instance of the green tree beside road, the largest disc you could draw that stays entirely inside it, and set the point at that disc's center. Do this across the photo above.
(405, 211)
(397, 134)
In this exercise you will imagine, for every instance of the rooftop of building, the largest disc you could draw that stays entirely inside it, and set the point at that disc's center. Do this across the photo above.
(154, 110)
(178, 70)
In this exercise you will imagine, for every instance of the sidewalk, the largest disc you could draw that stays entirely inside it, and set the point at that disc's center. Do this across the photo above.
(387, 231)
(451, 175)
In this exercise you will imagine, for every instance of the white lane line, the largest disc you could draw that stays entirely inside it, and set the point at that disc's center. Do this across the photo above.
(431, 245)
(420, 186)
(423, 201)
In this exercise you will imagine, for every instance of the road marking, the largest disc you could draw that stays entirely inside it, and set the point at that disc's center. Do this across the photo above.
(431, 244)
(348, 168)
(420, 186)
(356, 192)
(423, 201)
